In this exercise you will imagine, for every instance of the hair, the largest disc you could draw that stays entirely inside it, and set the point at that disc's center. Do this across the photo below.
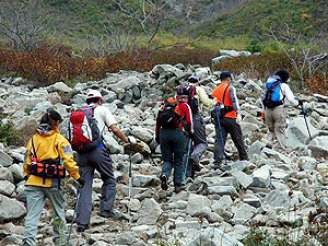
(93, 100)
(283, 74)
(224, 75)
(50, 116)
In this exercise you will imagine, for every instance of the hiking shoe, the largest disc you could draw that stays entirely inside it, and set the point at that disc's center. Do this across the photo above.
(114, 214)
(179, 188)
(81, 228)
(164, 185)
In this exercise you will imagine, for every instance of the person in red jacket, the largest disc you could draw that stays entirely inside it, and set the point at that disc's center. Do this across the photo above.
(172, 124)
(227, 108)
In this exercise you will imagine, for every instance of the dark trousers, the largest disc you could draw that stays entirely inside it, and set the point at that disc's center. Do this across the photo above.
(98, 159)
(229, 126)
(173, 148)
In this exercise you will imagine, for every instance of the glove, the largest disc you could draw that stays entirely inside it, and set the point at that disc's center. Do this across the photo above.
(132, 140)
(26, 178)
(81, 182)
(300, 103)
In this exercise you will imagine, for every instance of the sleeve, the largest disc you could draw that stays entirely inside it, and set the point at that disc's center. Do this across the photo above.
(107, 117)
(234, 98)
(288, 94)
(66, 154)
(27, 160)
(203, 97)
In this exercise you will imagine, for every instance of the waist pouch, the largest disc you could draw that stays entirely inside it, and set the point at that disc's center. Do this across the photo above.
(47, 169)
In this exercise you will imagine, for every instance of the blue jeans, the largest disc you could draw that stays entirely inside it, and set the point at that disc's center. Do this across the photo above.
(173, 148)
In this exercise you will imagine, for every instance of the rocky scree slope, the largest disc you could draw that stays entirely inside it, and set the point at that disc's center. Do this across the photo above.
(276, 190)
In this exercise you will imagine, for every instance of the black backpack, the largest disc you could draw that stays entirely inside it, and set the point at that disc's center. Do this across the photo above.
(168, 118)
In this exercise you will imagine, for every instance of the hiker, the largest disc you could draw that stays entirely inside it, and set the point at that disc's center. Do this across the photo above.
(173, 122)
(227, 108)
(276, 95)
(197, 99)
(48, 155)
(95, 156)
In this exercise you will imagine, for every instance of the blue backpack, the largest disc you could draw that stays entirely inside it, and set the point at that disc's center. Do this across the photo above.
(273, 91)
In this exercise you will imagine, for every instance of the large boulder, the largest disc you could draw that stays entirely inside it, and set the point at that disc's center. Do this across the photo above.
(261, 177)
(5, 159)
(59, 87)
(319, 147)
(198, 205)
(149, 212)
(7, 188)
(10, 209)
(125, 84)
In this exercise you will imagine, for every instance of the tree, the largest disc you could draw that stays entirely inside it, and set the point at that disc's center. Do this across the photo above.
(23, 23)
(149, 14)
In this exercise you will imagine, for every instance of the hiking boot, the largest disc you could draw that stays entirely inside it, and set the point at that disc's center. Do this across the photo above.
(179, 188)
(164, 185)
(114, 214)
(81, 228)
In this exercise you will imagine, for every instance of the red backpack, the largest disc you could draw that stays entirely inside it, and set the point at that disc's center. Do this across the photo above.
(84, 134)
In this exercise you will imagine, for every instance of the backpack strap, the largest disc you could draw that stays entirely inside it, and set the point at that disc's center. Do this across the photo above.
(224, 93)
(33, 148)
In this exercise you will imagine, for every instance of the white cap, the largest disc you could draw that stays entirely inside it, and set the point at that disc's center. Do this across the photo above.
(94, 94)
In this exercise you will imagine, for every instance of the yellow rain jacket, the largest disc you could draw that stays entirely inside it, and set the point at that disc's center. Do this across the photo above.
(49, 145)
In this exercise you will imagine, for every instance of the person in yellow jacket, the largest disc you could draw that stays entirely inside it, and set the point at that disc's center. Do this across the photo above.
(48, 155)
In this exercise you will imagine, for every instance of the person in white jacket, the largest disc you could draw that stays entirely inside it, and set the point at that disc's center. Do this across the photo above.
(275, 116)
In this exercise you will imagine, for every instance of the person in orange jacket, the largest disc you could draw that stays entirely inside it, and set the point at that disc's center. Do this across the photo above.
(48, 155)
(227, 108)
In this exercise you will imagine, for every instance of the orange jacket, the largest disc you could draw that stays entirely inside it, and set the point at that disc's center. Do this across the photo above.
(222, 94)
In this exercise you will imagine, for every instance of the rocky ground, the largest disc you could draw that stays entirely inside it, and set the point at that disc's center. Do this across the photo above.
(283, 192)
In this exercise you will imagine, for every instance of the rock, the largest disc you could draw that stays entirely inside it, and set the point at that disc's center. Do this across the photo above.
(219, 181)
(12, 240)
(10, 209)
(323, 203)
(166, 69)
(5, 159)
(212, 237)
(149, 212)
(125, 84)
(142, 134)
(276, 199)
(278, 156)
(261, 177)
(144, 180)
(111, 143)
(297, 134)
(234, 53)
(323, 171)
(5, 174)
(223, 207)
(321, 98)
(110, 97)
(198, 205)
(59, 87)
(137, 158)
(223, 190)
(126, 238)
(319, 147)
(256, 148)
(243, 213)
(17, 172)
(6, 187)
(243, 179)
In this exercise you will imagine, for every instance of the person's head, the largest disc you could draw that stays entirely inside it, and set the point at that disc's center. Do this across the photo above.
(170, 101)
(193, 80)
(51, 118)
(225, 76)
(182, 93)
(94, 96)
(283, 74)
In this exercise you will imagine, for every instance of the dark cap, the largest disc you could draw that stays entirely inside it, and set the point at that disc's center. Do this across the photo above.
(182, 90)
(193, 79)
(283, 74)
(224, 75)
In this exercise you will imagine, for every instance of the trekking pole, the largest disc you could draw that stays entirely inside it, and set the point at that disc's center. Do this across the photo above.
(306, 123)
(130, 185)
(74, 214)
(187, 156)
(217, 114)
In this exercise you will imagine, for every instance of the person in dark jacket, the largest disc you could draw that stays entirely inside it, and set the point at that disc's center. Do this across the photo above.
(172, 138)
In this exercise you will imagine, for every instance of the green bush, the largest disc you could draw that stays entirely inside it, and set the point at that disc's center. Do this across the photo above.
(9, 135)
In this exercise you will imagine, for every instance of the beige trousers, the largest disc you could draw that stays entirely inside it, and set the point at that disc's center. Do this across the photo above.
(275, 119)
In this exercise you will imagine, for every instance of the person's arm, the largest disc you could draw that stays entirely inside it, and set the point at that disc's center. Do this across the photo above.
(234, 99)
(203, 97)
(287, 92)
(66, 154)
(118, 133)
(157, 128)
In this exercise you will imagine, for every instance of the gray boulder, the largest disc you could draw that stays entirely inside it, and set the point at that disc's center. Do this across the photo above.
(17, 172)
(242, 178)
(5, 174)
(261, 177)
(6, 187)
(142, 134)
(319, 147)
(5, 159)
(125, 84)
(198, 205)
(276, 199)
(149, 212)
(10, 209)
(59, 87)
(243, 213)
